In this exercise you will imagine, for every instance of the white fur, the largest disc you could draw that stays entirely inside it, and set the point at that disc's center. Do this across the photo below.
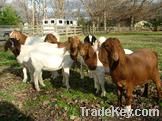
(31, 40)
(90, 38)
(127, 51)
(44, 56)
(101, 40)
(95, 46)
(98, 76)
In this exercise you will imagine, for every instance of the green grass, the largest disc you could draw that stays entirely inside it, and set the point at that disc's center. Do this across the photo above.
(55, 96)
(7, 58)
(7, 93)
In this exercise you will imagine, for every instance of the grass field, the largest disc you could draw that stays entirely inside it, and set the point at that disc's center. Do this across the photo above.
(19, 101)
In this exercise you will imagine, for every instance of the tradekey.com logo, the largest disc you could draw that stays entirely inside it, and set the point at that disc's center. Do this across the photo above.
(118, 112)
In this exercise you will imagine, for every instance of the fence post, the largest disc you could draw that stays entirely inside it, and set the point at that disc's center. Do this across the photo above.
(66, 29)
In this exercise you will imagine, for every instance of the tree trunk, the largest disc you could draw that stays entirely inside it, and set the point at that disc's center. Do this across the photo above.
(132, 23)
(105, 22)
(93, 26)
(98, 23)
(118, 27)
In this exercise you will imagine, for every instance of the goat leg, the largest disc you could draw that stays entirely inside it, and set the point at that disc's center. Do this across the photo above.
(41, 80)
(25, 76)
(145, 93)
(129, 97)
(96, 83)
(36, 77)
(102, 84)
(66, 77)
(120, 94)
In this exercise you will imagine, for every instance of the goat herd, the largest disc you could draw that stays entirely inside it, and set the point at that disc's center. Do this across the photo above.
(101, 56)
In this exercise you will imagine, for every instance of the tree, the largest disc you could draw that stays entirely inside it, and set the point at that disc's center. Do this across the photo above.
(58, 7)
(122, 12)
(8, 16)
(23, 10)
(2, 3)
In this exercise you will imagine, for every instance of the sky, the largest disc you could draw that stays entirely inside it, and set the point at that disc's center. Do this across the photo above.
(9, 1)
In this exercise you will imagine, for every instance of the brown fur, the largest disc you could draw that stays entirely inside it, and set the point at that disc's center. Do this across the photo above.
(13, 45)
(128, 71)
(89, 55)
(62, 44)
(72, 45)
(22, 37)
(19, 36)
(50, 38)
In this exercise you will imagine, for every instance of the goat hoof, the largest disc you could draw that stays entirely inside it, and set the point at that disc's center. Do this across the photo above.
(38, 89)
(24, 81)
(43, 85)
(82, 77)
(103, 94)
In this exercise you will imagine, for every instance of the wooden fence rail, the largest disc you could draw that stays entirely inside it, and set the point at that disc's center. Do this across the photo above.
(61, 30)
(40, 30)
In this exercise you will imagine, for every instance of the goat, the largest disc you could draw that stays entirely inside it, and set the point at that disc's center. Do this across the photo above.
(43, 56)
(90, 58)
(95, 67)
(96, 45)
(30, 40)
(128, 71)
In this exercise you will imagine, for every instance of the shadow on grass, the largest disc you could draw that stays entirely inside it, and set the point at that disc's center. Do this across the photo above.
(8, 112)
(13, 69)
(85, 85)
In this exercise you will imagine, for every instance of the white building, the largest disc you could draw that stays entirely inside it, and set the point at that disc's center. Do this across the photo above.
(52, 24)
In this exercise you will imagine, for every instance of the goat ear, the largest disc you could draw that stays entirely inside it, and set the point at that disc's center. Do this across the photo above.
(103, 56)
(7, 45)
(91, 52)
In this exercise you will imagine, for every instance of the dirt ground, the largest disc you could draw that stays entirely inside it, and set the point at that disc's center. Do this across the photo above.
(15, 99)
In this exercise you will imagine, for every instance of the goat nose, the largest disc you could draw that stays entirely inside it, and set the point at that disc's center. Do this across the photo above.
(81, 52)
(115, 56)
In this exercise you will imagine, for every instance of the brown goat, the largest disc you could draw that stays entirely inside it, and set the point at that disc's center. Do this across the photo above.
(89, 55)
(50, 38)
(128, 71)
(73, 47)
(95, 67)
